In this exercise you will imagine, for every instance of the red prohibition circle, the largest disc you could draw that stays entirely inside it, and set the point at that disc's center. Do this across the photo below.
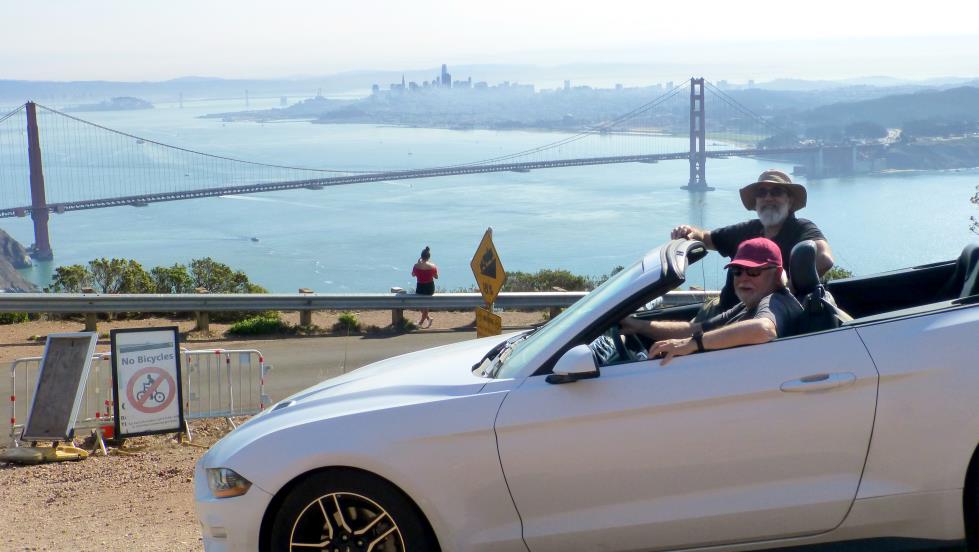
(163, 376)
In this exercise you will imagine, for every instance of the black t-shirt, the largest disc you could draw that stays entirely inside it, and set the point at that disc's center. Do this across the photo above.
(727, 239)
(779, 306)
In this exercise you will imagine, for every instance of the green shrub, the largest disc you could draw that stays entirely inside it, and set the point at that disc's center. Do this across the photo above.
(13, 317)
(70, 279)
(405, 325)
(836, 273)
(174, 279)
(260, 325)
(546, 280)
(346, 323)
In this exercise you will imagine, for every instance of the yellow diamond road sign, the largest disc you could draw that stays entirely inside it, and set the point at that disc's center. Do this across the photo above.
(488, 269)
(488, 323)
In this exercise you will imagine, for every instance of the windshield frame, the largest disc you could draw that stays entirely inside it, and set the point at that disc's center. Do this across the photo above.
(659, 271)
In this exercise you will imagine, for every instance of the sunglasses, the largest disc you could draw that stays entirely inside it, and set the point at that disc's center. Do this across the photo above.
(776, 191)
(737, 271)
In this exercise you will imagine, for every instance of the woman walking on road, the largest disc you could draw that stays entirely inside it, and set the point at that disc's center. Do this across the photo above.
(425, 272)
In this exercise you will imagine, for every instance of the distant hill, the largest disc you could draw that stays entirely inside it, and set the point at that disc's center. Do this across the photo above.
(122, 103)
(954, 104)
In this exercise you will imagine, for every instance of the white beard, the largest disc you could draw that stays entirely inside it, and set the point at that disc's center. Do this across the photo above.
(773, 215)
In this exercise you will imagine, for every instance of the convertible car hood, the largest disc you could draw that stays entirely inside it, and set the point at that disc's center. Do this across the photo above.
(438, 370)
(431, 374)
(328, 410)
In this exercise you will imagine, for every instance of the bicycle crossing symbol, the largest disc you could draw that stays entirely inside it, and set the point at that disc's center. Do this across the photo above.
(151, 390)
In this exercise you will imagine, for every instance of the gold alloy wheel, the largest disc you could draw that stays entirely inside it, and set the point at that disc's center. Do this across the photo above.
(345, 522)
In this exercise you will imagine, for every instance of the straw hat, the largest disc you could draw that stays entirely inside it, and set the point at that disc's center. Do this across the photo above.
(797, 192)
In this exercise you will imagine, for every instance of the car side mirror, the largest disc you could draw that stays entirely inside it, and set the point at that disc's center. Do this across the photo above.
(576, 364)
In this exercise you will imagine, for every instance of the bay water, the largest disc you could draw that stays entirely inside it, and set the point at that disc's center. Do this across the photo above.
(366, 237)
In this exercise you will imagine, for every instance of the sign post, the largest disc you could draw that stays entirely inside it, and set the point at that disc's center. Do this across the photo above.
(146, 380)
(490, 276)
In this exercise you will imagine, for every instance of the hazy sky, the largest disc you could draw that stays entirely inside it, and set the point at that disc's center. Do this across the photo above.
(163, 39)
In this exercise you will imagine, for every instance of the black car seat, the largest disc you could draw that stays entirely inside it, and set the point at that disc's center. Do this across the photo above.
(819, 311)
(965, 279)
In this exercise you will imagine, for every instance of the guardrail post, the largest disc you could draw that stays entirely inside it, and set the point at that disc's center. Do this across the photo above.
(91, 318)
(305, 316)
(552, 312)
(397, 315)
(203, 319)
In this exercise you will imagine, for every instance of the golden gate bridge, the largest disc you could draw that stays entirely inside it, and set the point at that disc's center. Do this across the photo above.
(89, 166)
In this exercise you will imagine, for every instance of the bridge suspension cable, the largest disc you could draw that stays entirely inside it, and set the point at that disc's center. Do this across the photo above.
(17, 110)
(576, 137)
(730, 101)
(195, 152)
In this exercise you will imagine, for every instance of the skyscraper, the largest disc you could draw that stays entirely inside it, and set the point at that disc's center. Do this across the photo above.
(446, 77)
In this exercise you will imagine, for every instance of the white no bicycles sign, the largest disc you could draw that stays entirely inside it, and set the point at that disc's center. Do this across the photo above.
(146, 381)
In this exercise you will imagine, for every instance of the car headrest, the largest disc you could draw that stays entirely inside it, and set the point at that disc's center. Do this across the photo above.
(965, 280)
(802, 268)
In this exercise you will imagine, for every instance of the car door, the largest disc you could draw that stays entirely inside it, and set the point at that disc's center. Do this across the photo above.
(753, 443)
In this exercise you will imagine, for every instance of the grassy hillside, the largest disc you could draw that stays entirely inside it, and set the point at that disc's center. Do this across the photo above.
(955, 104)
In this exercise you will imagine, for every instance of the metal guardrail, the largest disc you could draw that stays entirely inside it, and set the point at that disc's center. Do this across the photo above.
(96, 302)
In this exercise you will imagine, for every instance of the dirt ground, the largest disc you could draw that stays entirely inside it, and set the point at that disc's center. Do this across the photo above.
(142, 501)
(139, 500)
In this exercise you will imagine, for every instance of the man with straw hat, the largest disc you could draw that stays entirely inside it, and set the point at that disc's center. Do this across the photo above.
(776, 199)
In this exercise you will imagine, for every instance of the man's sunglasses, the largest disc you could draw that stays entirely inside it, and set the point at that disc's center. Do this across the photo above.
(776, 191)
(737, 271)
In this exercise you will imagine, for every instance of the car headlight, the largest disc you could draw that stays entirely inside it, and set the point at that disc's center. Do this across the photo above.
(226, 483)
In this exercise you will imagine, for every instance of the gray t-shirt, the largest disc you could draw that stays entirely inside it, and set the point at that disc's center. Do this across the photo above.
(779, 306)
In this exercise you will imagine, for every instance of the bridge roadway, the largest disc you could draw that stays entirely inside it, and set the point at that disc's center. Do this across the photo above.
(317, 183)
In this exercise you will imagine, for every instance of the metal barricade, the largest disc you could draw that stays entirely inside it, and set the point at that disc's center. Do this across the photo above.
(217, 383)
(220, 383)
(96, 406)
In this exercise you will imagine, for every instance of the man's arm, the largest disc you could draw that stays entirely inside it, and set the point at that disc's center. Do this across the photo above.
(656, 329)
(693, 233)
(746, 332)
(824, 257)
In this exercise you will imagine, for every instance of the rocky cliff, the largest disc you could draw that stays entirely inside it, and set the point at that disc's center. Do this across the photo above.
(13, 256)
(12, 281)
(13, 251)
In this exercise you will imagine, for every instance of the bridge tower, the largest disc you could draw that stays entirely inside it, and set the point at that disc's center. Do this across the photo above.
(39, 208)
(698, 139)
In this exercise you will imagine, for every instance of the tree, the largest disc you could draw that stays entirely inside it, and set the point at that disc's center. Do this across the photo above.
(220, 278)
(829, 134)
(975, 223)
(545, 280)
(784, 139)
(865, 130)
(70, 279)
(174, 279)
(107, 274)
(134, 279)
(211, 275)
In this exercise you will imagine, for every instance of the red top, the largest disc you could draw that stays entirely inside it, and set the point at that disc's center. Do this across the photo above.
(425, 275)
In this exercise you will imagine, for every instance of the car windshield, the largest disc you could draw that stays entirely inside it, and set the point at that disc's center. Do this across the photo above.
(512, 359)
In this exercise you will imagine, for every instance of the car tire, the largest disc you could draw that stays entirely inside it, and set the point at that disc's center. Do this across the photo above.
(351, 510)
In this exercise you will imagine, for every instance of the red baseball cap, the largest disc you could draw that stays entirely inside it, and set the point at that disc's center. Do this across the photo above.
(755, 253)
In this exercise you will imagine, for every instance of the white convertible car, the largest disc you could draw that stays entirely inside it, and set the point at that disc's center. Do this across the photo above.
(860, 430)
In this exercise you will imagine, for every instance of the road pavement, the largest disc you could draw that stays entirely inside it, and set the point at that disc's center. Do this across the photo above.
(300, 362)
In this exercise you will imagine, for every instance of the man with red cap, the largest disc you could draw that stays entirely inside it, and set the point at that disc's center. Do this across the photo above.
(776, 199)
(766, 309)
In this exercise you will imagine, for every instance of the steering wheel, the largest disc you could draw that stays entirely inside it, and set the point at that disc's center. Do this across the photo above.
(624, 343)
